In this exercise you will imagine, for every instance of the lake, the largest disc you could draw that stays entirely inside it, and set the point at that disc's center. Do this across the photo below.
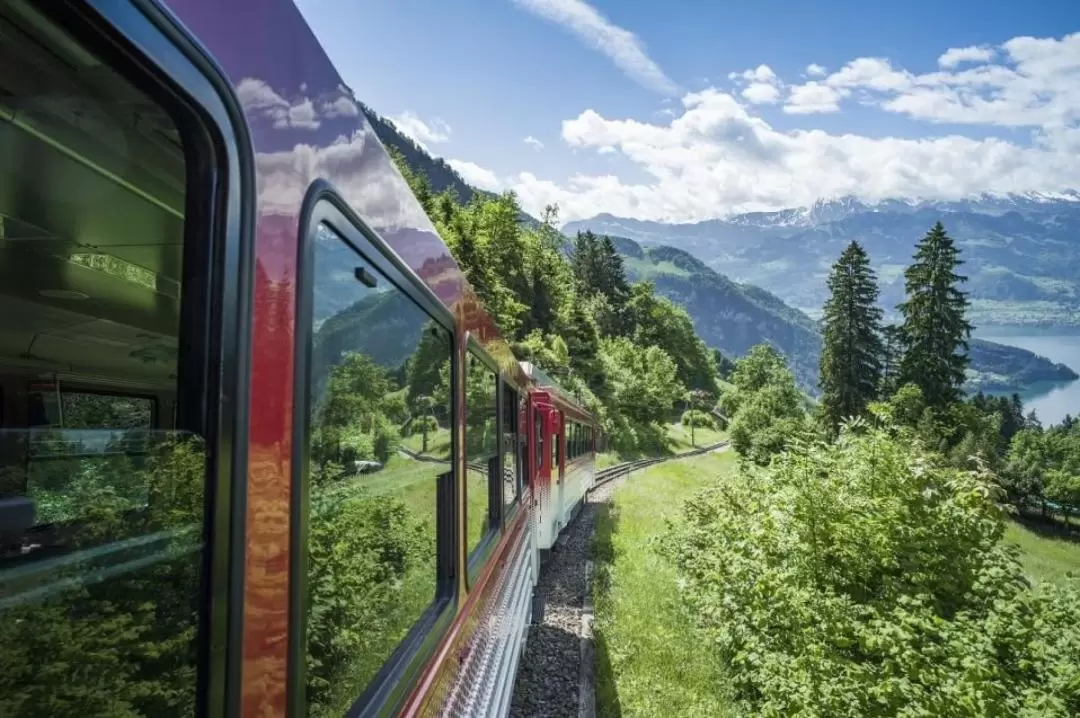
(1051, 402)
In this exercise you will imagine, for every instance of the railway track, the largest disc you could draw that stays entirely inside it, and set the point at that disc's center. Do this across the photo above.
(627, 467)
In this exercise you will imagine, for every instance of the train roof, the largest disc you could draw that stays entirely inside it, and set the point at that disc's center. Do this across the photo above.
(542, 381)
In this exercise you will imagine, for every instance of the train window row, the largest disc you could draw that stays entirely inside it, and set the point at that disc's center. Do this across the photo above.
(579, 440)
(380, 441)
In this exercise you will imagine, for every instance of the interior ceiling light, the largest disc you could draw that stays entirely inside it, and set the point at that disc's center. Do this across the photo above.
(63, 294)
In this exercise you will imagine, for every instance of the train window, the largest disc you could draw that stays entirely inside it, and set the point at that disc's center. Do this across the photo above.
(538, 430)
(510, 468)
(379, 435)
(481, 450)
(101, 511)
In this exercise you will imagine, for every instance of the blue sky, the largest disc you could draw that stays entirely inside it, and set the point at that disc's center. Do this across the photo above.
(642, 108)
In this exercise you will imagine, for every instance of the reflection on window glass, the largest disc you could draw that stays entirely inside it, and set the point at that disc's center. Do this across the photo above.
(380, 434)
(101, 510)
(510, 450)
(481, 446)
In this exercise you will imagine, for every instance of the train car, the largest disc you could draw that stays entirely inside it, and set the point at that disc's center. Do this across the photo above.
(262, 450)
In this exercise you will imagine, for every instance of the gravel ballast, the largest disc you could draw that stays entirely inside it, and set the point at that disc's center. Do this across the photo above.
(550, 672)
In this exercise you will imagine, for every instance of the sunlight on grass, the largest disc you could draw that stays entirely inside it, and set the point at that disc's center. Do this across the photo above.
(1044, 557)
(649, 659)
(679, 437)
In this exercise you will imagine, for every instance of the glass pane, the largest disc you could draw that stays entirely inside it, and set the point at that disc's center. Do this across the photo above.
(380, 435)
(101, 506)
(510, 450)
(481, 446)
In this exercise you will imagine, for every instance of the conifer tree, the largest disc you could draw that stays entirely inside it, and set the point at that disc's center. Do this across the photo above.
(851, 356)
(936, 329)
(892, 346)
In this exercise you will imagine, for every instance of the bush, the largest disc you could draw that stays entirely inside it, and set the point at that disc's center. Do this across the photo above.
(695, 417)
(866, 578)
(418, 424)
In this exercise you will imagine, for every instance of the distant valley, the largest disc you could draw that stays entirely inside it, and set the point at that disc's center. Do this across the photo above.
(733, 317)
(1021, 252)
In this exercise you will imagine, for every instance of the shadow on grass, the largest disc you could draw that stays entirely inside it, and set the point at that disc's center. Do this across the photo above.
(603, 555)
(1047, 526)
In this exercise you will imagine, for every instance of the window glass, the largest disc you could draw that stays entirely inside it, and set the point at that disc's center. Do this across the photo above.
(510, 448)
(538, 430)
(380, 435)
(101, 511)
(481, 448)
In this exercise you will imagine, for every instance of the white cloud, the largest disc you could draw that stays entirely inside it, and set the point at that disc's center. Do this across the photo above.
(534, 143)
(1024, 82)
(258, 98)
(956, 55)
(476, 175)
(761, 73)
(717, 157)
(815, 70)
(422, 132)
(620, 45)
(813, 97)
(761, 93)
(764, 86)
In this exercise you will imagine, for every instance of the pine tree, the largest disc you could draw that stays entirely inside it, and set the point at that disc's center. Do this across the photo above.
(851, 356)
(892, 352)
(936, 329)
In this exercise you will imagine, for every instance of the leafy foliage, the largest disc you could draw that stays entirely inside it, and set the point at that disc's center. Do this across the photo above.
(866, 578)
(765, 407)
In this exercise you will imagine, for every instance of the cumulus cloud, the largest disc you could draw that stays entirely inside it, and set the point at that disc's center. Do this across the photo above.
(761, 93)
(534, 143)
(1024, 82)
(716, 157)
(956, 55)
(620, 45)
(423, 133)
(813, 97)
(762, 86)
(259, 99)
(476, 175)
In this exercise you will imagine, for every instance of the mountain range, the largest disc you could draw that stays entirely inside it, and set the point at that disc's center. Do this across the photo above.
(733, 316)
(1021, 252)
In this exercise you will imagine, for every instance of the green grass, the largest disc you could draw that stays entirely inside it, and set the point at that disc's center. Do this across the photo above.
(1044, 557)
(679, 437)
(649, 661)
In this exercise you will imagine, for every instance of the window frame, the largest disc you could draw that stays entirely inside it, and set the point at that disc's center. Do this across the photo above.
(387, 690)
(477, 557)
(147, 44)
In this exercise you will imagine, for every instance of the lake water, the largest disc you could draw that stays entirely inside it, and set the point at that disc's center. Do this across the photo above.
(1051, 402)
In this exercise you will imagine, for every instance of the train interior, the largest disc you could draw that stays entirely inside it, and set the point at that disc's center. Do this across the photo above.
(92, 203)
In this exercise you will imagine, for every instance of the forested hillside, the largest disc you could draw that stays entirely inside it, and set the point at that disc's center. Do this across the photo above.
(630, 355)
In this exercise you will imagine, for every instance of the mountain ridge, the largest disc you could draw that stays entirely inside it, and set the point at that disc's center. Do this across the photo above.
(1022, 252)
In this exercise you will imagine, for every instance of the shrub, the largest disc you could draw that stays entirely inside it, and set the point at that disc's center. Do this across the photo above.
(695, 417)
(865, 578)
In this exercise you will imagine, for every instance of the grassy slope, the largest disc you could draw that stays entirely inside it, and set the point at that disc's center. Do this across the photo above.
(678, 441)
(1044, 557)
(649, 662)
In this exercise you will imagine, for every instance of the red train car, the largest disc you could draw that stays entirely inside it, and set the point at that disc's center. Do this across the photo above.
(262, 451)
